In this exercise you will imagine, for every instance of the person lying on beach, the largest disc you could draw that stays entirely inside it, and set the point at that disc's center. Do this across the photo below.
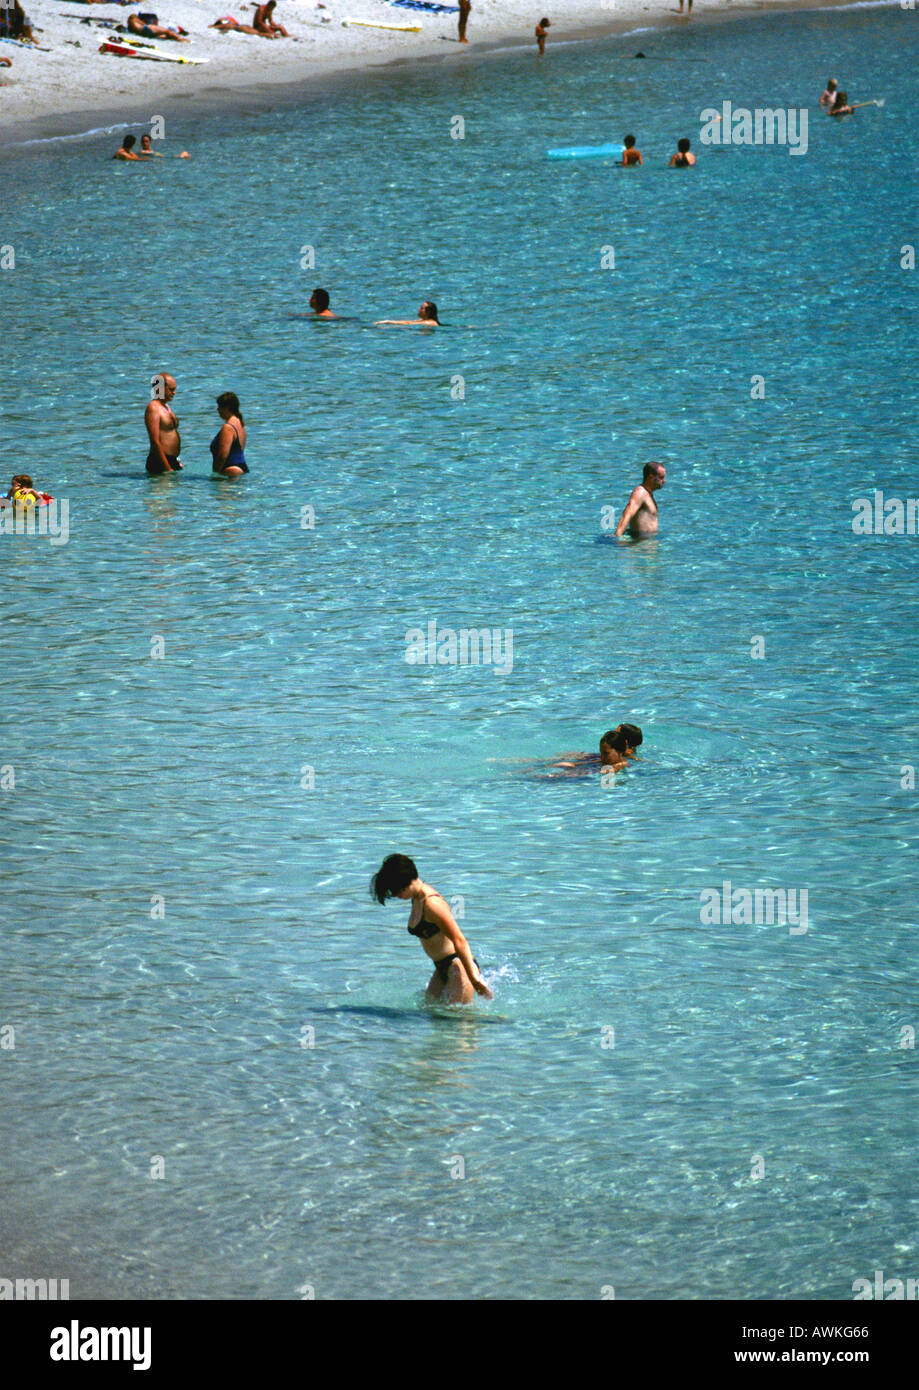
(155, 31)
(542, 29)
(228, 444)
(319, 303)
(629, 154)
(148, 152)
(640, 512)
(427, 315)
(228, 24)
(617, 750)
(682, 159)
(456, 975)
(841, 105)
(127, 148)
(264, 22)
(829, 93)
(6, 62)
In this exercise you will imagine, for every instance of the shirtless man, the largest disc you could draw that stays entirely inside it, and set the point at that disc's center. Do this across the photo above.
(319, 303)
(264, 22)
(640, 514)
(163, 428)
(154, 31)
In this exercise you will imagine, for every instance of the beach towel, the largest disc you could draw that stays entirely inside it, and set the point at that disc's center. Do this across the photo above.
(425, 5)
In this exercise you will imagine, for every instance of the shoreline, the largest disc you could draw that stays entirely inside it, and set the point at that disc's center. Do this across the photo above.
(249, 76)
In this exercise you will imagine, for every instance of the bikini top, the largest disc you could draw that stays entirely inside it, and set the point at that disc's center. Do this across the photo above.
(424, 929)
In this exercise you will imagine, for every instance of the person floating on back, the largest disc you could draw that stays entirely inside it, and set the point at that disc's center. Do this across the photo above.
(229, 442)
(629, 153)
(542, 30)
(640, 512)
(682, 159)
(456, 975)
(829, 93)
(427, 315)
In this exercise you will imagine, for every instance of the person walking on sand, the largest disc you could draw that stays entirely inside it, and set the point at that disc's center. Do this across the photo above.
(464, 8)
(640, 512)
(163, 428)
(542, 29)
(456, 977)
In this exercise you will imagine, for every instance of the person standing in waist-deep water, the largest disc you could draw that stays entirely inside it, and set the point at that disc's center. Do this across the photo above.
(163, 428)
(828, 96)
(629, 153)
(640, 512)
(230, 440)
(682, 159)
(456, 975)
(542, 29)
(841, 105)
(464, 8)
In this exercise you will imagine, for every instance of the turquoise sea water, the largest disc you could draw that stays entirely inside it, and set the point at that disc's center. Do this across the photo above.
(178, 908)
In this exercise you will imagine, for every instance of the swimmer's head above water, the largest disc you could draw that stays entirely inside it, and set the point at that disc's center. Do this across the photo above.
(428, 311)
(393, 878)
(620, 743)
(653, 476)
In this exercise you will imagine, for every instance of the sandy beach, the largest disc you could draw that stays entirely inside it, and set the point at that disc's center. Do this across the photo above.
(66, 86)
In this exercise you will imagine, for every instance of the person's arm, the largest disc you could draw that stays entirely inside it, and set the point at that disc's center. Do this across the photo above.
(224, 441)
(442, 915)
(152, 419)
(631, 508)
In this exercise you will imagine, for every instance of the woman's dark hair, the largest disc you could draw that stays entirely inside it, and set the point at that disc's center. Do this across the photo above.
(629, 141)
(683, 145)
(129, 142)
(322, 299)
(22, 480)
(627, 735)
(431, 311)
(841, 99)
(228, 400)
(395, 873)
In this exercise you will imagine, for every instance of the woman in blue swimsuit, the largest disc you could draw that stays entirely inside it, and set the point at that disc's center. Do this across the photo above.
(456, 975)
(229, 442)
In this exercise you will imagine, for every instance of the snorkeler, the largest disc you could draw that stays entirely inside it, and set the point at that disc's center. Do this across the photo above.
(456, 975)
(640, 512)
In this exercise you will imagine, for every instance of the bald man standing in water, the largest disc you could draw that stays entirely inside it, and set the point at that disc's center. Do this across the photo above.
(640, 514)
(163, 427)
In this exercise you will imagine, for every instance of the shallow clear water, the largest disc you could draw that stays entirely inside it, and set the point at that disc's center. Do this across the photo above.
(179, 1036)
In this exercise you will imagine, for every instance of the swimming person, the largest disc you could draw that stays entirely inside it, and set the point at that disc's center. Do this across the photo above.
(230, 440)
(148, 152)
(629, 153)
(456, 975)
(841, 105)
(427, 315)
(126, 150)
(319, 303)
(829, 93)
(542, 29)
(617, 749)
(163, 429)
(682, 159)
(640, 514)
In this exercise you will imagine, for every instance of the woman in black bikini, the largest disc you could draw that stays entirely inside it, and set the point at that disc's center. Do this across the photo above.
(456, 975)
